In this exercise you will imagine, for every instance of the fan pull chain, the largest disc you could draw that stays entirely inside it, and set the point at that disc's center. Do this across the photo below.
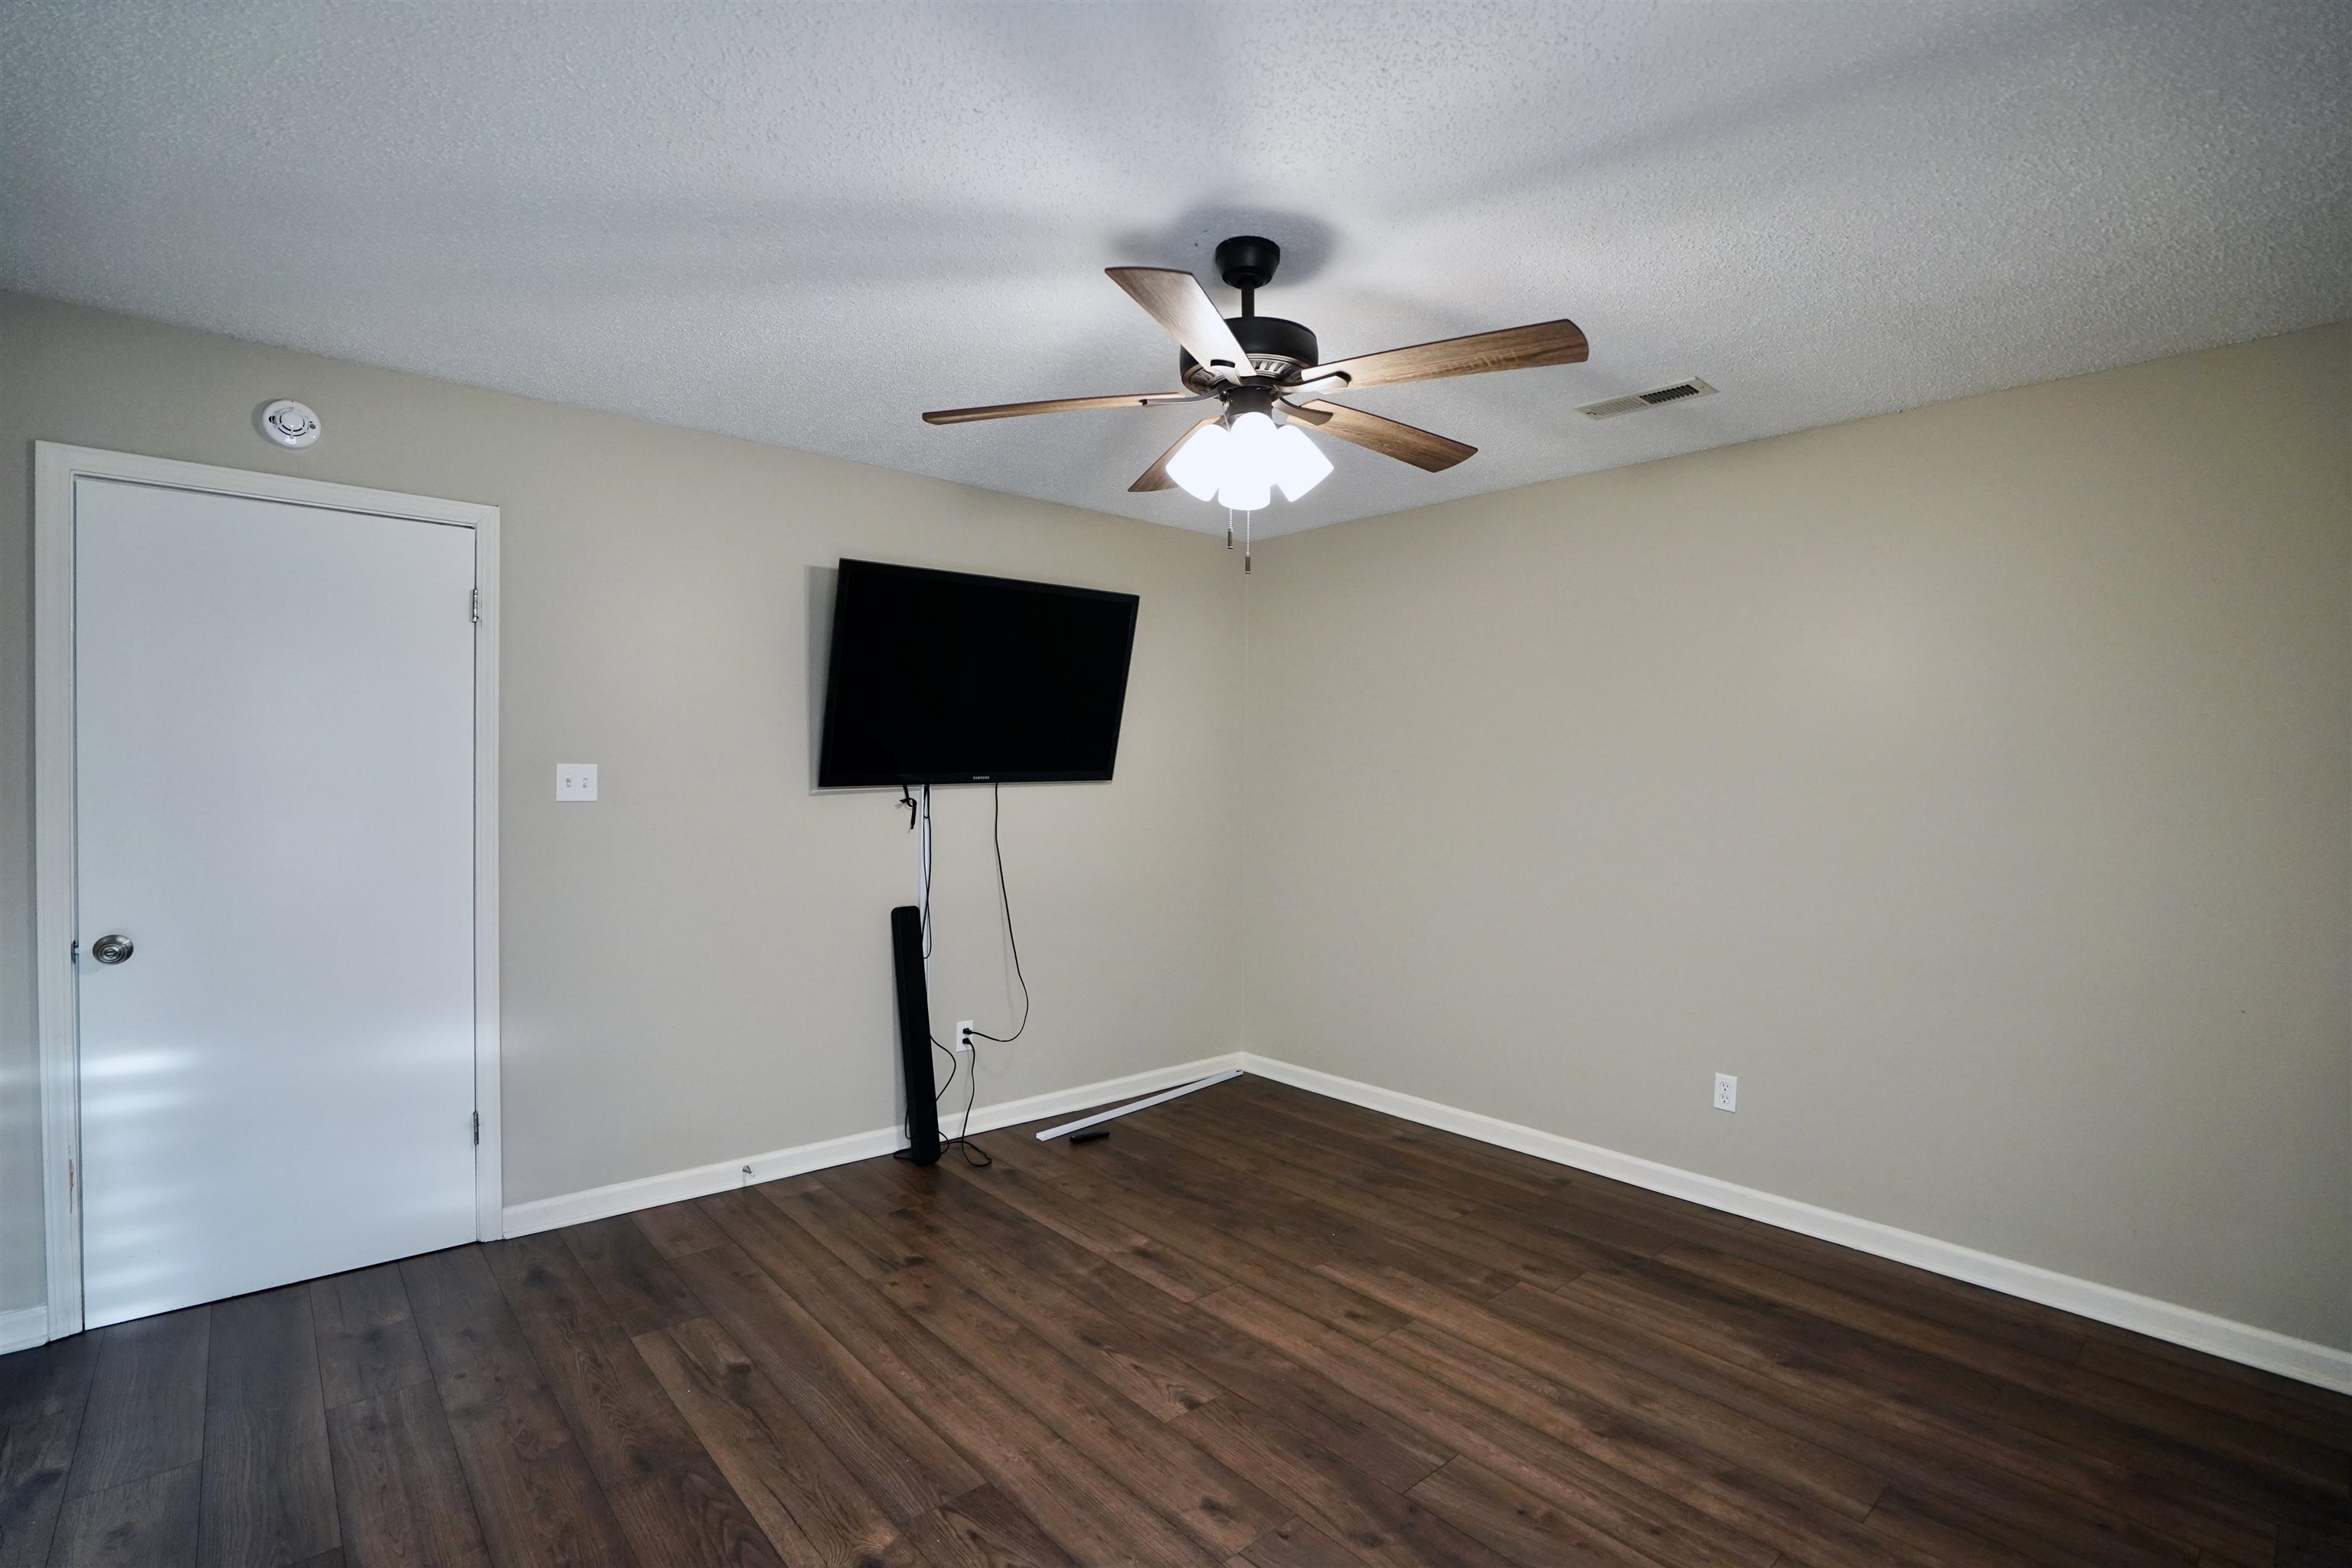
(1229, 528)
(1246, 518)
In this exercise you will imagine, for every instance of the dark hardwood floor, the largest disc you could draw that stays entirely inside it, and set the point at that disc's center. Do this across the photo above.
(1255, 1329)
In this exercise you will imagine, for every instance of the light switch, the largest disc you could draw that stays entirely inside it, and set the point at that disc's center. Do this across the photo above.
(575, 781)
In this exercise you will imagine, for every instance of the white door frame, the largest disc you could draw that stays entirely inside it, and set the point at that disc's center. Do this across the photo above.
(54, 469)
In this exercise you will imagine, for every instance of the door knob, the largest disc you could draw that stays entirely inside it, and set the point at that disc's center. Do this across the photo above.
(111, 949)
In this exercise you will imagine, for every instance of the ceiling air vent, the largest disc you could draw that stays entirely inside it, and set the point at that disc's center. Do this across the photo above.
(1610, 407)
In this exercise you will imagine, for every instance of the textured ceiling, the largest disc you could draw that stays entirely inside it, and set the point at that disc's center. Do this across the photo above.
(805, 224)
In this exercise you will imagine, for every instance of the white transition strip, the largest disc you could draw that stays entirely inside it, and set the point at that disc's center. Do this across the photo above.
(673, 1186)
(23, 1328)
(2300, 1359)
(1131, 1107)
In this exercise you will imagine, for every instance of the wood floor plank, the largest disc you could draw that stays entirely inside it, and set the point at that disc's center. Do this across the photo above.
(881, 1338)
(1103, 1186)
(677, 1229)
(629, 1273)
(2184, 1475)
(150, 1522)
(1607, 1499)
(1871, 1399)
(1295, 1543)
(1930, 1529)
(954, 1227)
(1376, 1525)
(1218, 1508)
(1683, 1406)
(1935, 1452)
(146, 1408)
(1061, 1481)
(1077, 1503)
(2242, 1443)
(1775, 1329)
(1746, 1502)
(42, 1394)
(1521, 1525)
(1438, 1188)
(1252, 1329)
(1407, 1139)
(865, 1246)
(1299, 1228)
(982, 1529)
(367, 1336)
(440, 1279)
(402, 1492)
(532, 1491)
(669, 1497)
(903, 1465)
(1119, 1244)
(1444, 1234)
(1384, 1448)
(812, 1508)
(2246, 1391)
(269, 1483)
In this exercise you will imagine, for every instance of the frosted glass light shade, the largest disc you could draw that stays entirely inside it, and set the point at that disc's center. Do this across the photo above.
(1299, 463)
(1199, 466)
(1240, 465)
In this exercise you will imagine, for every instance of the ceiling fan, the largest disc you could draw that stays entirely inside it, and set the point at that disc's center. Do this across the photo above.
(1256, 365)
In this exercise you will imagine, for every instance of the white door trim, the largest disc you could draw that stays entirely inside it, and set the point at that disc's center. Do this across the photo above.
(54, 469)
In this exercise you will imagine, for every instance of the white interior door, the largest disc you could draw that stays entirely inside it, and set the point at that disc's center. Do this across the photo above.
(274, 779)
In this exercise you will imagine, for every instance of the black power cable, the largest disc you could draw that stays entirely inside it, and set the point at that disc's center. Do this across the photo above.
(962, 1140)
(996, 831)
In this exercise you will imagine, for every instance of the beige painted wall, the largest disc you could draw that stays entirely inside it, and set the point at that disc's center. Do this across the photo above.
(1975, 782)
(697, 967)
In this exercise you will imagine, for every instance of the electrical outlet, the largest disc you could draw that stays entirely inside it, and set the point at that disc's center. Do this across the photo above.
(575, 781)
(1727, 1092)
(962, 1038)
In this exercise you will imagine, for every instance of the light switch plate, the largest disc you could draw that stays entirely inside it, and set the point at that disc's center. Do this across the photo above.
(575, 781)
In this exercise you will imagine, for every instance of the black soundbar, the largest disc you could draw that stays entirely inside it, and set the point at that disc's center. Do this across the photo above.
(914, 1034)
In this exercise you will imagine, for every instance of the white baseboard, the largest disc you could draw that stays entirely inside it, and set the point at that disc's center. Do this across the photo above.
(2300, 1359)
(23, 1328)
(673, 1186)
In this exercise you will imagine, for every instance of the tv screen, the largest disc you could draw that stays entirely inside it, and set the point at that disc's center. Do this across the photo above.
(945, 678)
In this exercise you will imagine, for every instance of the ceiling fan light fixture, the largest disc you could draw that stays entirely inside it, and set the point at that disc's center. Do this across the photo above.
(1299, 463)
(1252, 364)
(1242, 463)
(1199, 466)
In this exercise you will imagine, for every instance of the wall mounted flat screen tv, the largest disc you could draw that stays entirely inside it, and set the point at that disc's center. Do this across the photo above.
(946, 677)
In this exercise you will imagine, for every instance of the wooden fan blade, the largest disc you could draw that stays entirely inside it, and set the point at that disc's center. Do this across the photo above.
(1389, 438)
(1155, 477)
(1513, 348)
(1178, 302)
(1055, 405)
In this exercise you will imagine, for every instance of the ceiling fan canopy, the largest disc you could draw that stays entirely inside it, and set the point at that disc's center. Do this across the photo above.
(1258, 366)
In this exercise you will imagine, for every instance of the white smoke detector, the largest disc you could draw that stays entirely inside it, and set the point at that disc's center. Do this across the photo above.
(289, 423)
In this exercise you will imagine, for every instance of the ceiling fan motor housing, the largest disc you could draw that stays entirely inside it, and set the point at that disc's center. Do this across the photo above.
(1264, 339)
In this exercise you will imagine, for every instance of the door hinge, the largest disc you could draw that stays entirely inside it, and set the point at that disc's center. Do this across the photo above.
(75, 956)
(477, 1128)
(478, 606)
(73, 1185)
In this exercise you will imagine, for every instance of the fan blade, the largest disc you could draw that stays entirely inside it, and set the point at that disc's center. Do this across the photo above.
(1155, 477)
(1055, 405)
(1178, 302)
(1513, 348)
(1407, 444)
